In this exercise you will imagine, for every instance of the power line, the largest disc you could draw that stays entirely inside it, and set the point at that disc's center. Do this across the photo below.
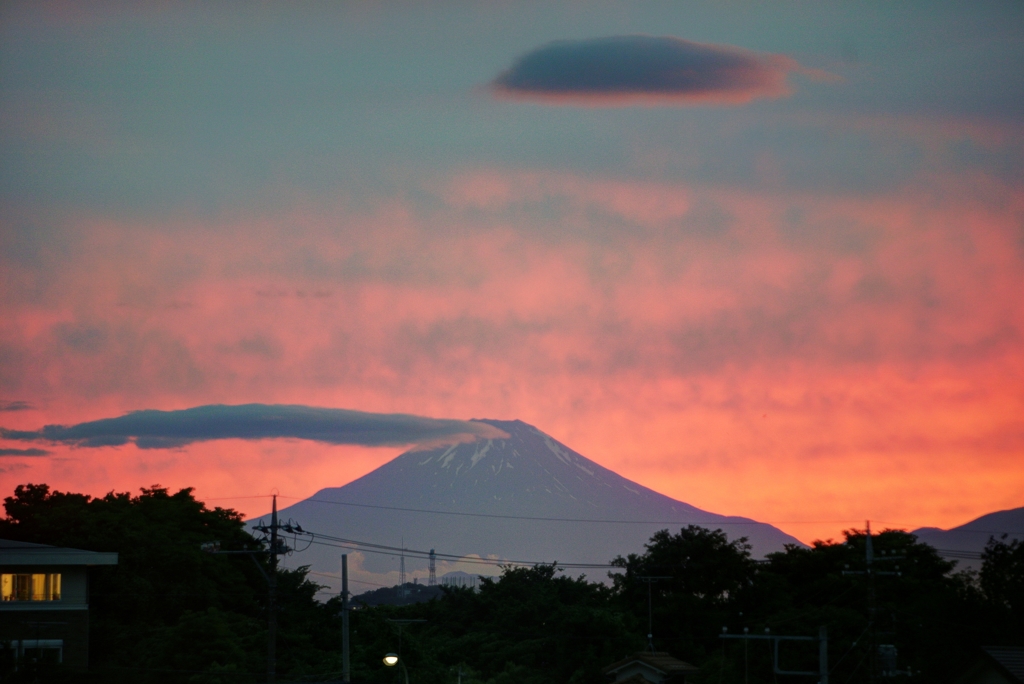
(327, 574)
(965, 555)
(596, 520)
(575, 520)
(394, 551)
(458, 557)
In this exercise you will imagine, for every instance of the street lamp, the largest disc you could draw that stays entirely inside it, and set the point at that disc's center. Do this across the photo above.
(391, 660)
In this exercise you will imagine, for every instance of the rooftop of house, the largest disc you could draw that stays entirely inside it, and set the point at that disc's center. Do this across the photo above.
(1008, 658)
(657, 660)
(15, 553)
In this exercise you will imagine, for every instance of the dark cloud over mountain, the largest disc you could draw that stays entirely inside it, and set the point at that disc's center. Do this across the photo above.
(151, 429)
(625, 70)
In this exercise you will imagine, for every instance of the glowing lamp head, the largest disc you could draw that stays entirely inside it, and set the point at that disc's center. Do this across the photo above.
(391, 660)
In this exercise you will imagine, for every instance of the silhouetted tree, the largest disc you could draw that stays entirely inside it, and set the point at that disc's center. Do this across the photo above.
(1002, 581)
(169, 611)
(708, 576)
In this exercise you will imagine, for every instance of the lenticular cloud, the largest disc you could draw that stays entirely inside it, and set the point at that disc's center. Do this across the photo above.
(152, 429)
(651, 70)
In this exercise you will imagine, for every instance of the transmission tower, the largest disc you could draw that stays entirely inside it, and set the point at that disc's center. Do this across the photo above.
(432, 580)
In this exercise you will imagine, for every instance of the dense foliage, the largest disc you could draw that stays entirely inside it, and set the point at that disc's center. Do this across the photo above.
(170, 613)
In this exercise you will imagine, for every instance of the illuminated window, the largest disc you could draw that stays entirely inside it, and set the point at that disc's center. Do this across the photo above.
(34, 587)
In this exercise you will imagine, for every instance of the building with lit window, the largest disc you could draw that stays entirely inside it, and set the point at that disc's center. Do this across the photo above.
(44, 603)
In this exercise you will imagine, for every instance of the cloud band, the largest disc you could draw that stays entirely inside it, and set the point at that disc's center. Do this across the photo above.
(627, 70)
(151, 429)
(24, 452)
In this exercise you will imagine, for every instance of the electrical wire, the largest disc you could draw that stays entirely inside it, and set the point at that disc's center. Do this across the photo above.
(573, 520)
(426, 554)
(325, 574)
(849, 650)
(392, 551)
(611, 521)
(593, 520)
(383, 549)
(856, 669)
(954, 553)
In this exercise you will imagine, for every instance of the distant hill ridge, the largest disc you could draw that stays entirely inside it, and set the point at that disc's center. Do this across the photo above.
(970, 539)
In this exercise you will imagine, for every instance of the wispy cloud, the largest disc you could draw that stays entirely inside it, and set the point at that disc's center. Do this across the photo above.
(645, 70)
(24, 452)
(151, 429)
(15, 406)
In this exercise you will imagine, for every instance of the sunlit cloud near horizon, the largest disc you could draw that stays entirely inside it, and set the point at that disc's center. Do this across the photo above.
(790, 291)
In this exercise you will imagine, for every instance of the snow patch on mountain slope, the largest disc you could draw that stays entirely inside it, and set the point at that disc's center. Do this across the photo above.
(563, 455)
(445, 459)
(480, 453)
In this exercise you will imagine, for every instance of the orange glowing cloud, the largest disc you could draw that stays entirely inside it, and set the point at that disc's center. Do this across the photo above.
(807, 360)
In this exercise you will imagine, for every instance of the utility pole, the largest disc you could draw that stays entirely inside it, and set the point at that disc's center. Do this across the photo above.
(276, 548)
(432, 579)
(272, 599)
(746, 657)
(870, 572)
(869, 560)
(650, 620)
(346, 673)
(401, 623)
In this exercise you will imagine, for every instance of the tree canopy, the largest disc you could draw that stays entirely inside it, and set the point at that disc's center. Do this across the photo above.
(169, 612)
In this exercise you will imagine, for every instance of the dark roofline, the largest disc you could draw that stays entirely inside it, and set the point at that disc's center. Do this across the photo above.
(1012, 666)
(19, 553)
(13, 544)
(645, 658)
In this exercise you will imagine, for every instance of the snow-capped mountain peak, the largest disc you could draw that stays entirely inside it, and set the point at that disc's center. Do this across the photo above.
(527, 496)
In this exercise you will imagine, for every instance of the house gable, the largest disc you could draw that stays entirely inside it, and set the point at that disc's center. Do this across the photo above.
(648, 666)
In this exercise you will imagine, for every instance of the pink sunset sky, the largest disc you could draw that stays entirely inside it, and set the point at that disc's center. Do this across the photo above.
(792, 291)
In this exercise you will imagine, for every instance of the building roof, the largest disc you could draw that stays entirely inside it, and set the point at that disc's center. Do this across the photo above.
(657, 660)
(637, 678)
(1008, 658)
(26, 553)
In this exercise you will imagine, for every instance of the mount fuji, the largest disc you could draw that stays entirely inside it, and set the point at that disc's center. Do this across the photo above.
(524, 498)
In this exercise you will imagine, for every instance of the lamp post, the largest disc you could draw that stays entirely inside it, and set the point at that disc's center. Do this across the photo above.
(391, 660)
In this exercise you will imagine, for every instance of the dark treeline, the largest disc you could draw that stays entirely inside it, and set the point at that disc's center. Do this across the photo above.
(169, 612)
